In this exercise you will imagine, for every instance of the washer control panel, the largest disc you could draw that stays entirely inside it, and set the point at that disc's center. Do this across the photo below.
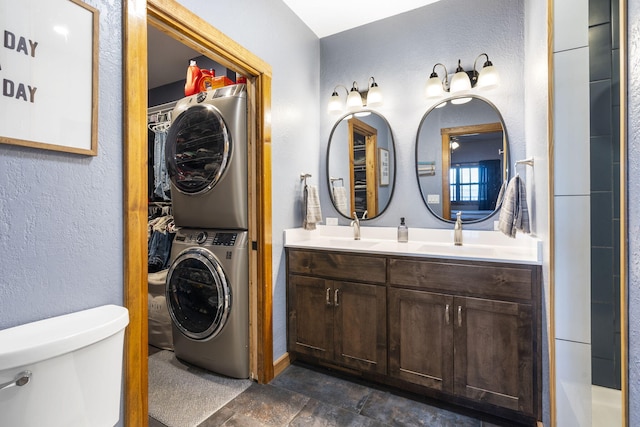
(210, 237)
(224, 239)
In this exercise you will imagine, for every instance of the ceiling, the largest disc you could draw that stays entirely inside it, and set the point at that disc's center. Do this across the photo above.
(168, 58)
(327, 17)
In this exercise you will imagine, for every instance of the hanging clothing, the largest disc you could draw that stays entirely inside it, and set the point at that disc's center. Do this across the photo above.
(161, 179)
(160, 233)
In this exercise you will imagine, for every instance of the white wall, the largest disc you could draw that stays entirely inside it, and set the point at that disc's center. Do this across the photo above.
(61, 223)
(400, 53)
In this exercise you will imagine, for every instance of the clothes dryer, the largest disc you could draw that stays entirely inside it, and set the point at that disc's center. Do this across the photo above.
(206, 155)
(207, 294)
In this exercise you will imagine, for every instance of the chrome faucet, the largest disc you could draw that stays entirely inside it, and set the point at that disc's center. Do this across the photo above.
(457, 230)
(356, 225)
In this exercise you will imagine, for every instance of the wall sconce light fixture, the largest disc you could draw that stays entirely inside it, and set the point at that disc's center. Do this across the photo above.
(462, 81)
(355, 100)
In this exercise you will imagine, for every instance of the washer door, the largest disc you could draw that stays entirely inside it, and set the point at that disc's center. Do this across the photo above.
(198, 295)
(198, 149)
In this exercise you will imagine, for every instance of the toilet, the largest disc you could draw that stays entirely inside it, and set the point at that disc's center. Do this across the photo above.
(63, 371)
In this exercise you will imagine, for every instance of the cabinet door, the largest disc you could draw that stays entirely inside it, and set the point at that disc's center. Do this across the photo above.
(360, 331)
(493, 352)
(310, 316)
(421, 338)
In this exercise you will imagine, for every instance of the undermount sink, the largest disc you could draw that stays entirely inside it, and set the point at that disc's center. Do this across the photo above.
(352, 243)
(477, 245)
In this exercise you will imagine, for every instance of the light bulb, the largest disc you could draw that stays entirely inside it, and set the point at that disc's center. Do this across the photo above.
(335, 104)
(488, 77)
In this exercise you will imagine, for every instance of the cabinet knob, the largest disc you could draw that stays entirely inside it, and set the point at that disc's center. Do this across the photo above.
(459, 315)
(328, 296)
(335, 297)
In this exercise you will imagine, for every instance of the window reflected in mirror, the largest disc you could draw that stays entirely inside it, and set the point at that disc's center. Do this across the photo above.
(462, 160)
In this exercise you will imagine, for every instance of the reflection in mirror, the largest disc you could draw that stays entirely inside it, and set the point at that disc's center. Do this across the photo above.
(361, 164)
(462, 159)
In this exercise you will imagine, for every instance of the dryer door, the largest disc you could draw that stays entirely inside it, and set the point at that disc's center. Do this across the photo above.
(198, 295)
(198, 149)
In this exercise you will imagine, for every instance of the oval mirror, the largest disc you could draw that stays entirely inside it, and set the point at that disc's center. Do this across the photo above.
(462, 158)
(361, 164)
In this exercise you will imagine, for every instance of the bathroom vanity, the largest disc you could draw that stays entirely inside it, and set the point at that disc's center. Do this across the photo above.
(463, 327)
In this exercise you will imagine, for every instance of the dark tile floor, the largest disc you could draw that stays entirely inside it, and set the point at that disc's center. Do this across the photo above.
(306, 396)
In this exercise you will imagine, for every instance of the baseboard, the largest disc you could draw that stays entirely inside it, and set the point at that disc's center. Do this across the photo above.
(281, 364)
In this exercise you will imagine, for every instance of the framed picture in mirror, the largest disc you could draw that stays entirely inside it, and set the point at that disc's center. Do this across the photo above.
(383, 162)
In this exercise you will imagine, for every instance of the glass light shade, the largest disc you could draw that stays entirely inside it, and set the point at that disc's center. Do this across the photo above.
(460, 100)
(488, 77)
(354, 100)
(374, 96)
(434, 88)
(335, 104)
(460, 82)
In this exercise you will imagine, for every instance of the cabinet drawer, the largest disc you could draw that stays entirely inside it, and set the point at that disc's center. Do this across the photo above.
(338, 265)
(486, 281)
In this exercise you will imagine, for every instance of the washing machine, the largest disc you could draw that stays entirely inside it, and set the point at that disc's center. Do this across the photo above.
(206, 156)
(207, 295)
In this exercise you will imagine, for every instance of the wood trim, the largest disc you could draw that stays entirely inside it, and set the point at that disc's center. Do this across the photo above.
(135, 213)
(195, 32)
(551, 332)
(264, 216)
(624, 321)
(188, 28)
(281, 364)
(371, 166)
(446, 165)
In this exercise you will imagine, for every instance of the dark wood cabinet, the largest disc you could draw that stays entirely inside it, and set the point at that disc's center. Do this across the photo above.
(334, 320)
(483, 319)
(493, 347)
(420, 338)
(464, 330)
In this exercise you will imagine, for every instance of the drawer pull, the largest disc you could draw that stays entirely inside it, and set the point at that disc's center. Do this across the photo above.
(459, 315)
(328, 296)
(447, 314)
(335, 297)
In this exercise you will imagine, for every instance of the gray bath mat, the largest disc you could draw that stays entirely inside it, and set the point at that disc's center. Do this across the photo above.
(183, 396)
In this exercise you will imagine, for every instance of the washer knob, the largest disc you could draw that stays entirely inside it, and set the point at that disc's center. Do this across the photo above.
(201, 237)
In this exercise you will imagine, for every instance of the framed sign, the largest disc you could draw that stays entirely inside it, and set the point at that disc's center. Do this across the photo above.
(383, 161)
(49, 75)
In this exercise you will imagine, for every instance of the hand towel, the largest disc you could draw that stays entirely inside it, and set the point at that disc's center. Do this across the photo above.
(514, 214)
(340, 199)
(312, 212)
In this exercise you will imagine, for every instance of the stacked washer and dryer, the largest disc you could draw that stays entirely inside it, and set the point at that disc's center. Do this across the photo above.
(207, 288)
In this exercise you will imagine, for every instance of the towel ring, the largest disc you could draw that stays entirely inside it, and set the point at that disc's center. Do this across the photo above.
(333, 180)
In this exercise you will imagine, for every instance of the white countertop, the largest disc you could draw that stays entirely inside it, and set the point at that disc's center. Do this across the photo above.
(478, 245)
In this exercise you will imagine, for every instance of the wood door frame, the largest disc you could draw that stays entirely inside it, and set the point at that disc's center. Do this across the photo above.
(370, 134)
(180, 23)
(446, 134)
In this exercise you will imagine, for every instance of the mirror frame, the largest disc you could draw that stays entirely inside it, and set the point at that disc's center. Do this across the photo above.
(506, 169)
(392, 178)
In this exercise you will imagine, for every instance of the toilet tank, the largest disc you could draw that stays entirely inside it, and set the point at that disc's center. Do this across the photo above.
(70, 368)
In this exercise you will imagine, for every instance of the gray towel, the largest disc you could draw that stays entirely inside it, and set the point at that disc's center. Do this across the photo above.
(340, 199)
(514, 214)
(312, 211)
